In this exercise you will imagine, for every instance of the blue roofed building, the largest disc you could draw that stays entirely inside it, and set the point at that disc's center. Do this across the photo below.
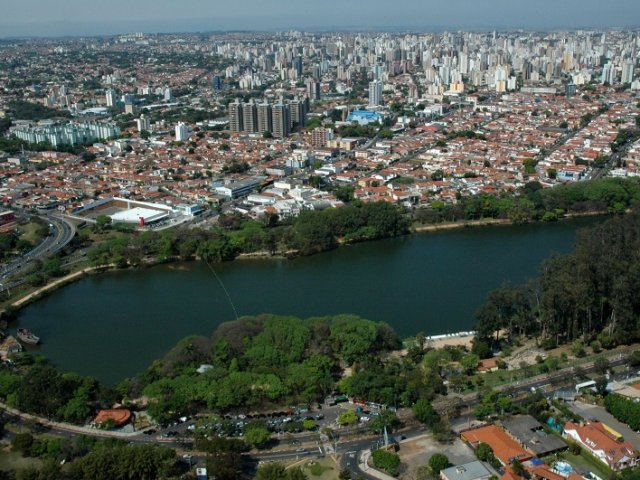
(364, 117)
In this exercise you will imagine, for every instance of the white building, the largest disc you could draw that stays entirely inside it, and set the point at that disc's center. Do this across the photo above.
(143, 123)
(111, 98)
(58, 134)
(627, 72)
(183, 132)
(375, 92)
(608, 74)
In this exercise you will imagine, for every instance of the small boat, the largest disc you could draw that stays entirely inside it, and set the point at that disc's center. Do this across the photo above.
(26, 336)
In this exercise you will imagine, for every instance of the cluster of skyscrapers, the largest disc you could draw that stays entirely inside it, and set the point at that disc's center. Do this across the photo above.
(279, 119)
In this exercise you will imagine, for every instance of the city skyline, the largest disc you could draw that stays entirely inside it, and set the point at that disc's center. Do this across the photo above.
(70, 17)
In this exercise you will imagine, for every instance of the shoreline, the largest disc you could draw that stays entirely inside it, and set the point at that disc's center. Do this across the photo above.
(290, 254)
(463, 339)
(60, 282)
(461, 224)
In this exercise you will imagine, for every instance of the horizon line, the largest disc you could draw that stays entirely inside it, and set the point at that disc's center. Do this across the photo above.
(335, 29)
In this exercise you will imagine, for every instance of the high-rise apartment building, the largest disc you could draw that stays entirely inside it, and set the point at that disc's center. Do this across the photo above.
(298, 113)
(235, 116)
(627, 72)
(249, 117)
(183, 132)
(375, 92)
(608, 74)
(313, 89)
(297, 65)
(111, 98)
(265, 123)
(143, 123)
(320, 136)
(281, 119)
(217, 83)
(316, 72)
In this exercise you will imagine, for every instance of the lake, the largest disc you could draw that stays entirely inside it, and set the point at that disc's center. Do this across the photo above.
(114, 325)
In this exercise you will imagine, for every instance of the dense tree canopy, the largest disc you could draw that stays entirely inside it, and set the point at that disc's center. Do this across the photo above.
(532, 202)
(261, 361)
(124, 462)
(587, 294)
(42, 390)
(624, 409)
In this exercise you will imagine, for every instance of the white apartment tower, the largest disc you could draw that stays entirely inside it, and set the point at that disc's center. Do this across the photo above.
(183, 132)
(608, 74)
(627, 71)
(375, 93)
(143, 123)
(236, 123)
(111, 98)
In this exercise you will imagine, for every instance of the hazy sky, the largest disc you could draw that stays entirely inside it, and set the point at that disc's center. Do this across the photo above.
(82, 17)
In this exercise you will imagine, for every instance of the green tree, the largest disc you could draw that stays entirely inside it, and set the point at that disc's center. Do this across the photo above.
(347, 418)
(22, 442)
(484, 452)
(438, 462)
(388, 461)
(102, 222)
(52, 267)
(257, 436)
(386, 419)
(224, 456)
(271, 471)
(309, 424)
(470, 363)
(517, 467)
(601, 365)
(425, 413)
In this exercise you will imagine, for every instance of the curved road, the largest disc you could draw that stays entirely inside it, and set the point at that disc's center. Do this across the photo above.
(60, 234)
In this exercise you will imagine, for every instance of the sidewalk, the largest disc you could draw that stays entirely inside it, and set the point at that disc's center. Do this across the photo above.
(364, 467)
(67, 427)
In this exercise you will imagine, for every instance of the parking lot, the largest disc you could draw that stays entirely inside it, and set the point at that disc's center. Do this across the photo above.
(281, 422)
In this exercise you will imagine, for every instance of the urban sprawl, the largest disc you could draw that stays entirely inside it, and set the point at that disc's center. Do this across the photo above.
(280, 122)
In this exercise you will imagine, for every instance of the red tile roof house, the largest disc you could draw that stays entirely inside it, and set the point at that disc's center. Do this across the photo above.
(597, 440)
(505, 448)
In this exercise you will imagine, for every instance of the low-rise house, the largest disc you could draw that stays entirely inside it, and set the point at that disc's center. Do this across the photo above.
(469, 471)
(505, 448)
(602, 444)
(530, 433)
(488, 365)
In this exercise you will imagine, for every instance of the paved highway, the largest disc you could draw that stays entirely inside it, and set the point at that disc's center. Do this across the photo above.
(61, 233)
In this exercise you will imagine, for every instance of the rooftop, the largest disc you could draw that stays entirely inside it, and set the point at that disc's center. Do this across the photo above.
(133, 215)
(469, 471)
(504, 447)
(119, 416)
(531, 434)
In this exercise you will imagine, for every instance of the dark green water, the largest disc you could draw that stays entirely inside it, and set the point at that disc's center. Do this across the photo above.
(114, 325)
